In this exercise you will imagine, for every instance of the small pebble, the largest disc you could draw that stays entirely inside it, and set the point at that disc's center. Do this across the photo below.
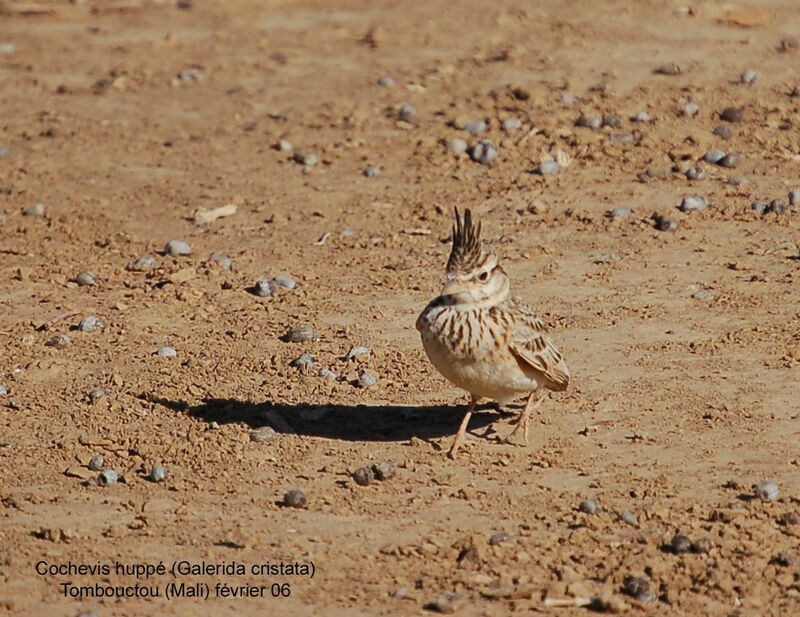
(693, 203)
(498, 538)
(264, 434)
(634, 586)
(96, 394)
(695, 173)
(157, 474)
(307, 159)
(567, 99)
(680, 544)
(738, 180)
(457, 146)
(177, 248)
(622, 138)
(295, 498)
(732, 114)
(223, 260)
(672, 68)
(284, 280)
(713, 156)
(166, 352)
(357, 350)
(3, 390)
(91, 324)
(703, 545)
(788, 43)
(86, 278)
(385, 81)
(641, 116)
(364, 476)
(299, 334)
(778, 206)
(483, 152)
(748, 77)
(768, 491)
(730, 161)
(34, 210)
(372, 172)
(407, 113)
(97, 462)
(589, 122)
(512, 125)
(400, 592)
(703, 294)
(325, 373)
(284, 145)
(723, 131)
(759, 206)
(59, 341)
(366, 380)
(141, 264)
(305, 360)
(666, 223)
(691, 109)
(264, 287)
(107, 477)
(794, 197)
(589, 506)
(445, 603)
(612, 120)
(620, 212)
(384, 470)
(628, 517)
(475, 127)
(547, 168)
(7, 48)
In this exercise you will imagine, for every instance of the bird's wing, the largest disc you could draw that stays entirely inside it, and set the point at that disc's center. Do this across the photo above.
(532, 347)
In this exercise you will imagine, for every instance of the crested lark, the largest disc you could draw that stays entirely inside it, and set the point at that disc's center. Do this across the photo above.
(482, 339)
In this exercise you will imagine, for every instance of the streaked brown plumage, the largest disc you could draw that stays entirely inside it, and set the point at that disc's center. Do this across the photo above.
(482, 339)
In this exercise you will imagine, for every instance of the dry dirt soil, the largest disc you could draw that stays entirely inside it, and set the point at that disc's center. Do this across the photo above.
(127, 119)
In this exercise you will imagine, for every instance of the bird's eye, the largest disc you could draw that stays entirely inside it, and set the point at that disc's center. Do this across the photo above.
(484, 276)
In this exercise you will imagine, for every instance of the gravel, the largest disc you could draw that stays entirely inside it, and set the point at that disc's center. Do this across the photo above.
(589, 506)
(475, 127)
(567, 99)
(299, 334)
(778, 206)
(732, 114)
(738, 180)
(498, 538)
(713, 156)
(703, 294)
(723, 131)
(177, 248)
(357, 350)
(3, 390)
(295, 498)
(759, 206)
(589, 122)
(305, 361)
(446, 603)
(695, 173)
(691, 109)
(384, 470)
(788, 43)
(407, 113)
(34, 210)
(666, 223)
(372, 172)
(512, 125)
(223, 260)
(191, 74)
(107, 477)
(364, 476)
(86, 278)
(629, 518)
(730, 161)
(326, 373)
(141, 264)
(620, 212)
(748, 77)
(767, 491)
(693, 203)
(59, 341)
(547, 168)
(283, 145)
(284, 280)
(483, 152)
(166, 352)
(366, 380)
(634, 586)
(97, 462)
(680, 544)
(307, 159)
(385, 81)
(96, 394)
(794, 197)
(612, 120)
(264, 287)
(457, 146)
(91, 324)
(703, 545)
(641, 116)
(157, 474)
(264, 434)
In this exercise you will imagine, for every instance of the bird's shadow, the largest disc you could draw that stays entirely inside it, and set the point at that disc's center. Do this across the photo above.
(344, 422)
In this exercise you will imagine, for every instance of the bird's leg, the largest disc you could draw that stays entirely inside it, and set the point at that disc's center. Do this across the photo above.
(462, 429)
(534, 399)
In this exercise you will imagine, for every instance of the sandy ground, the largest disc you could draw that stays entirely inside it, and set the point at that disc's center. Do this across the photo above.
(125, 118)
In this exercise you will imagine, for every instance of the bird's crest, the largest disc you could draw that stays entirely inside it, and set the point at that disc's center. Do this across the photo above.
(467, 252)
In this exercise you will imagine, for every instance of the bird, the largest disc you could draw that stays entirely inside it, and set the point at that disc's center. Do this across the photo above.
(482, 339)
